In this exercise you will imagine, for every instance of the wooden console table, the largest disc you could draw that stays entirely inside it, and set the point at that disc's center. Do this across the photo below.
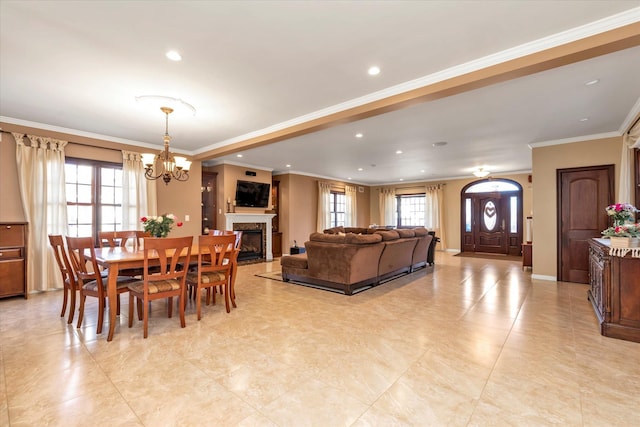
(615, 291)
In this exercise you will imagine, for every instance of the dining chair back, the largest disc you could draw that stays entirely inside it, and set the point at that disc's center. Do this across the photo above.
(125, 238)
(216, 257)
(167, 281)
(68, 277)
(122, 238)
(89, 277)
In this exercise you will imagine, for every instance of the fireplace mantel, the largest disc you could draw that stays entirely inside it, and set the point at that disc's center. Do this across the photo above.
(240, 218)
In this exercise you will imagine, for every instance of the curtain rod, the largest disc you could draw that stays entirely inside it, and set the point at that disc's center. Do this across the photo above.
(84, 144)
(632, 126)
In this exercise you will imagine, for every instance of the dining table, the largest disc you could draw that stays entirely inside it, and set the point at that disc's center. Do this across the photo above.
(118, 258)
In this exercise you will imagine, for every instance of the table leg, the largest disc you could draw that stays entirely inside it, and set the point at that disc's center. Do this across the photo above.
(112, 297)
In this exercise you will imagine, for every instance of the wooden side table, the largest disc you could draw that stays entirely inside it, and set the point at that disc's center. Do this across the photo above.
(527, 255)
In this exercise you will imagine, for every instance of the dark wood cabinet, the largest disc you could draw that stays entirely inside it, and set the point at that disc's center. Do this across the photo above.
(276, 243)
(527, 255)
(13, 259)
(614, 291)
(209, 205)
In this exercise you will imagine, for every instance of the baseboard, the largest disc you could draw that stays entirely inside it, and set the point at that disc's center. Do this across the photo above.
(543, 277)
(452, 250)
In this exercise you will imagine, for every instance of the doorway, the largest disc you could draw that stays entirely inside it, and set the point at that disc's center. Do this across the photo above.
(492, 217)
(583, 195)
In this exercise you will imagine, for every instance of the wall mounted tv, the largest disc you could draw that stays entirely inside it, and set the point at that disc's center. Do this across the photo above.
(252, 194)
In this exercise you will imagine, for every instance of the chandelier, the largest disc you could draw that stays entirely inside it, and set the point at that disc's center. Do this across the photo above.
(171, 166)
(481, 172)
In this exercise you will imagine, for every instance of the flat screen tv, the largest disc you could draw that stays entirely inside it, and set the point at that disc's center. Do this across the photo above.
(252, 194)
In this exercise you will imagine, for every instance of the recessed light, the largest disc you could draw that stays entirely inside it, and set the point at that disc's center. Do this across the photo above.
(238, 155)
(288, 166)
(374, 71)
(584, 119)
(439, 144)
(592, 82)
(359, 135)
(360, 169)
(422, 170)
(399, 152)
(349, 178)
(401, 179)
(174, 56)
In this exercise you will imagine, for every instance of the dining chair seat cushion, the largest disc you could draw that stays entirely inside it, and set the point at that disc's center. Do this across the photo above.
(122, 282)
(208, 277)
(155, 287)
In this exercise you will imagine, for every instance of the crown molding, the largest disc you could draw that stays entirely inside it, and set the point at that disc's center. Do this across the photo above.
(574, 139)
(232, 163)
(75, 132)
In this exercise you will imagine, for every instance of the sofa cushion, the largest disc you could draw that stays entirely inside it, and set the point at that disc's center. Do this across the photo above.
(334, 230)
(353, 239)
(420, 231)
(403, 232)
(295, 261)
(388, 235)
(362, 239)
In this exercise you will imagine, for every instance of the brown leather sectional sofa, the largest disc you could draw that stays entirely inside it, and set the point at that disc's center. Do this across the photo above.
(353, 259)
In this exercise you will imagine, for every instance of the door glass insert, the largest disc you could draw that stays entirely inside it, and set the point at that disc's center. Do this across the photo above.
(490, 216)
(467, 216)
(514, 214)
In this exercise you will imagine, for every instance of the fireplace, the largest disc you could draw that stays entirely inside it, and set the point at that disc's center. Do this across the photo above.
(253, 222)
(251, 245)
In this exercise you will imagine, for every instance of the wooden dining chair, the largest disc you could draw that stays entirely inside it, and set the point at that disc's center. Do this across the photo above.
(215, 263)
(234, 270)
(89, 278)
(168, 282)
(70, 285)
(123, 238)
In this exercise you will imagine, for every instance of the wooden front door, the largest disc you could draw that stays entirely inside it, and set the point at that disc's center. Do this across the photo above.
(490, 227)
(583, 195)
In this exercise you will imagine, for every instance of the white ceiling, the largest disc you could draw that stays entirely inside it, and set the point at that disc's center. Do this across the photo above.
(250, 66)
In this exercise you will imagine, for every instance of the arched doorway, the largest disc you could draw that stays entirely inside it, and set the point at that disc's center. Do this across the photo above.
(491, 217)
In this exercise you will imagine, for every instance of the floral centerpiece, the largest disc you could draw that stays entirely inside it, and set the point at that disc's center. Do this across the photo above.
(159, 226)
(626, 230)
(621, 213)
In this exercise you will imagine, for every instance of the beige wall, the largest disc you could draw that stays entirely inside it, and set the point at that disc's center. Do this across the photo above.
(10, 201)
(546, 161)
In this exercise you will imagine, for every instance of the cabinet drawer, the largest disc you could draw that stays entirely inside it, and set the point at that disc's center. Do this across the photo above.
(12, 235)
(10, 253)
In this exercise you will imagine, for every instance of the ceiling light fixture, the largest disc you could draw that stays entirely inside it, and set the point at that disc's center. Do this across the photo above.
(592, 82)
(374, 71)
(360, 169)
(238, 155)
(359, 135)
(173, 55)
(481, 173)
(584, 119)
(171, 167)
(399, 152)
(161, 101)
(288, 166)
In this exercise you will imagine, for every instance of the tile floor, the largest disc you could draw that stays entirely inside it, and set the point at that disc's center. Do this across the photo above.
(471, 342)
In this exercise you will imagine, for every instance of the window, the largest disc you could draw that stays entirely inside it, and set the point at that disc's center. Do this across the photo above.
(337, 209)
(410, 210)
(94, 196)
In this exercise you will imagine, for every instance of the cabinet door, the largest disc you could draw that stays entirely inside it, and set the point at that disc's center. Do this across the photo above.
(11, 277)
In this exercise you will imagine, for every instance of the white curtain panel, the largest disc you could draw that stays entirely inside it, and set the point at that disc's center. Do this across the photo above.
(351, 215)
(630, 140)
(324, 205)
(42, 187)
(387, 203)
(434, 212)
(134, 191)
